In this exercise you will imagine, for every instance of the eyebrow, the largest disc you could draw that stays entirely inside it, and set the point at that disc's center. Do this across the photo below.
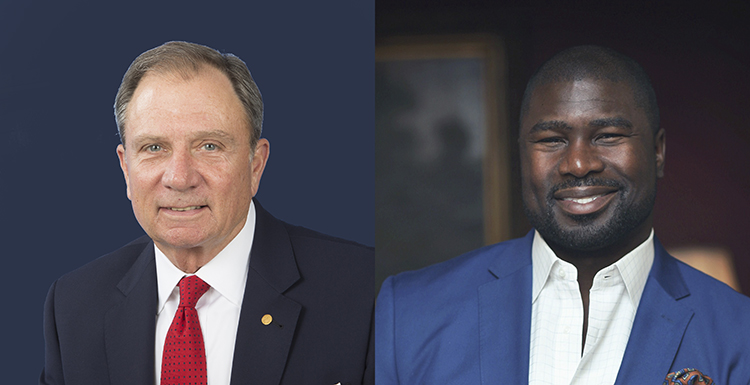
(560, 125)
(147, 138)
(213, 134)
(550, 125)
(611, 122)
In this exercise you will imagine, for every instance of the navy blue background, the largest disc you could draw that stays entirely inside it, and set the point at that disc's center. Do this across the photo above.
(61, 187)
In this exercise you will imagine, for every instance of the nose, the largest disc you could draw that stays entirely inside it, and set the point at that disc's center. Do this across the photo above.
(580, 159)
(180, 173)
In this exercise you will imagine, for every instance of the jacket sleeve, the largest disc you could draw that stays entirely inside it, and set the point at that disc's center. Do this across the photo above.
(52, 373)
(369, 375)
(385, 359)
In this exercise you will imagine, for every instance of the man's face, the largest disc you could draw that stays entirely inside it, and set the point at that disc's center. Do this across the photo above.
(187, 161)
(589, 164)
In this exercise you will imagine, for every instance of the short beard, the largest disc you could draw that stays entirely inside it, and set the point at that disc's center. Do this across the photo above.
(587, 236)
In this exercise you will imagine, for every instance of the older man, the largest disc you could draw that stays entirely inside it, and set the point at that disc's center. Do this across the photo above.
(590, 296)
(219, 291)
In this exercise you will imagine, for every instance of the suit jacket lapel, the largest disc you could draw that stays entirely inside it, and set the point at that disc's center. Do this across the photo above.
(129, 326)
(658, 328)
(659, 325)
(505, 317)
(261, 350)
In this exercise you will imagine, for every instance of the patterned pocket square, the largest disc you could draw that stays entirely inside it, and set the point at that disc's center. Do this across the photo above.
(687, 376)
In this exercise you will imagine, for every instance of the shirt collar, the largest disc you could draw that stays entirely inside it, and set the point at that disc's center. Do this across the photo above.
(542, 260)
(226, 272)
(633, 267)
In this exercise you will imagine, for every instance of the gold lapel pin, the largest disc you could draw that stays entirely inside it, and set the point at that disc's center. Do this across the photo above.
(266, 319)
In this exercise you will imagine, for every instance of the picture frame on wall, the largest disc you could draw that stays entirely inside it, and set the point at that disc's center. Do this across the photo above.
(442, 160)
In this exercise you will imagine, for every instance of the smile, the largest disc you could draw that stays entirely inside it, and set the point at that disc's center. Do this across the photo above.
(583, 201)
(185, 208)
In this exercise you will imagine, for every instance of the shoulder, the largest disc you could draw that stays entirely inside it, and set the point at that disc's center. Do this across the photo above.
(465, 272)
(426, 318)
(710, 296)
(307, 243)
(304, 237)
(318, 254)
(718, 325)
(712, 303)
(85, 294)
(445, 296)
(105, 271)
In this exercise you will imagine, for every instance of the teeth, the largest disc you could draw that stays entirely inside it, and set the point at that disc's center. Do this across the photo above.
(583, 201)
(184, 208)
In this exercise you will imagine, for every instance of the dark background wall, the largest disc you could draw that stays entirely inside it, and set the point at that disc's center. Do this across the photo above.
(699, 62)
(62, 191)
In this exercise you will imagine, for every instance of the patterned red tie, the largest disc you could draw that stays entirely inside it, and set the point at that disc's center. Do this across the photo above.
(184, 359)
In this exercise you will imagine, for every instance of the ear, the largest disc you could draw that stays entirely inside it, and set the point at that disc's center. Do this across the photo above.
(660, 149)
(258, 163)
(124, 167)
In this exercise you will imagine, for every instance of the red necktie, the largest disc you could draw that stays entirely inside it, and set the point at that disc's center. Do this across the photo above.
(184, 358)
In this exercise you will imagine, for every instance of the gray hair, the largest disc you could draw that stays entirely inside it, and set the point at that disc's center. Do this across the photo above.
(187, 59)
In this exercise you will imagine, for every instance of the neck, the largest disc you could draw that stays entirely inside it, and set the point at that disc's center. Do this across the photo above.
(589, 262)
(189, 260)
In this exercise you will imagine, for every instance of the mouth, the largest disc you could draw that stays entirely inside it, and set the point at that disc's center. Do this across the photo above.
(188, 208)
(584, 200)
(183, 211)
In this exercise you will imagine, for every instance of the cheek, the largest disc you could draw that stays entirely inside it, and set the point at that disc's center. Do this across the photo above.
(140, 178)
(538, 173)
(144, 180)
(534, 188)
(235, 182)
(635, 166)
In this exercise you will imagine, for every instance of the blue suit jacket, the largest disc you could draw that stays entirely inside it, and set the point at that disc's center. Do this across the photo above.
(99, 320)
(467, 321)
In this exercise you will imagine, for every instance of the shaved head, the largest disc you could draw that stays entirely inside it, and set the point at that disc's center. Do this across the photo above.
(596, 63)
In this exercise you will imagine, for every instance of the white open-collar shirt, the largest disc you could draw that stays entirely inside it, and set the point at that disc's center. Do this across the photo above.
(218, 309)
(557, 316)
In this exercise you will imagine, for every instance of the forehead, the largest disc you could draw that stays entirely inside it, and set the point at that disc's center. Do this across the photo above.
(172, 102)
(581, 99)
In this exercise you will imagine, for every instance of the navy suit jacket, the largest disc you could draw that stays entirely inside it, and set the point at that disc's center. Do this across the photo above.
(468, 320)
(99, 320)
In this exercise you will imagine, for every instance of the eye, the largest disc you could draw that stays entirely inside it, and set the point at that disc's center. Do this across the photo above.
(609, 138)
(210, 147)
(551, 141)
(153, 148)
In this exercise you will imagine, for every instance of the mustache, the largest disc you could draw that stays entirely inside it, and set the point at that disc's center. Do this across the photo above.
(585, 182)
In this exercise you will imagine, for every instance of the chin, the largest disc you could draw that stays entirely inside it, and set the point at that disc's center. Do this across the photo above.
(589, 239)
(590, 232)
(182, 238)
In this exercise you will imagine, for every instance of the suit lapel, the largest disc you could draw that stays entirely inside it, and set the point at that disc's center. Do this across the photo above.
(659, 325)
(505, 317)
(657, 332)
(261, 350)
(129, 326)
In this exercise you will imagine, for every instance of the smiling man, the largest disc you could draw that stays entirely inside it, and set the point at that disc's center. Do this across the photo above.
(589, 296)
(218, 291)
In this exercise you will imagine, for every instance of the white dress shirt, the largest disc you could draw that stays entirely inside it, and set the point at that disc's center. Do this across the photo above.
(218, 309)
(557, 316)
